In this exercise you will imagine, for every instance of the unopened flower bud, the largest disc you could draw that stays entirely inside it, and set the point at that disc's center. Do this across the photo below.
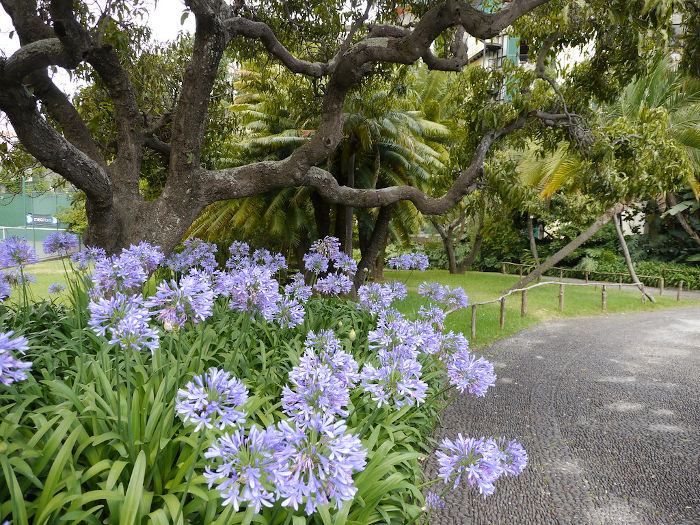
(352, 335)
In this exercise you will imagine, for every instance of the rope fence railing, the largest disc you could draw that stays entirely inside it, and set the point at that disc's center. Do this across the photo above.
(524, 269)
(562, 287)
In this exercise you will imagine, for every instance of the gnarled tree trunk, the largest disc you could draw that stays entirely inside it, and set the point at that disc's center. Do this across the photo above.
(376, 243)
(531, 236)
(476, 246)
(628, 259)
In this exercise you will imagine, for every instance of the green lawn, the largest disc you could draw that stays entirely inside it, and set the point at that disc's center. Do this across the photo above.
(543, 302)
(46, 273)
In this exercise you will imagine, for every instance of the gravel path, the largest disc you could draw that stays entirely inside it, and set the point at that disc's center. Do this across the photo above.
(608, 409)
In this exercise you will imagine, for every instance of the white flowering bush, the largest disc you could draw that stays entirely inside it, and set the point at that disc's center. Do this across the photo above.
(248, 393)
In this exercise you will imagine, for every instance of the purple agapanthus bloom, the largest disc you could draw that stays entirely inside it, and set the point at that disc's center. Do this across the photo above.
(16, 252)
(150, 256)
(345, 264)
(328, 247)
(512, 455)
(474, 459)
(118, 273)
(324, 348)
(316, 262)
(244, 467)
(56, 288)
(316, 390)
(289, 313)
(377, 297)
(452, 344)
(90, 254)
(470, 374)
(452, 298)
(317, 463)
(191, 298)
(433, 502)
(125, 320)
(434, 315)
(252, 289)
(196, 254)
(297, 289)
(240, 251)
(409, 261)
(212, 400)
(398, 385)
(60, 242)
(394, 341)
(11, 368)
(334, 284)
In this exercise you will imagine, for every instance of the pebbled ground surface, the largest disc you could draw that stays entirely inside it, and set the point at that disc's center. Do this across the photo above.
(608, 409)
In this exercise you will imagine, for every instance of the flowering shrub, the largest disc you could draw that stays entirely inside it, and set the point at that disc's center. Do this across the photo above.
(213, 396)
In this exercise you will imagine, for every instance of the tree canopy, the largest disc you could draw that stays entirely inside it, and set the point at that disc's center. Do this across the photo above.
(161, 114)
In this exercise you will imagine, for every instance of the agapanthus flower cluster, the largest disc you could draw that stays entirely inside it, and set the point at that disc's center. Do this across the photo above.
(56, 288)
(175, 303)
(117, 274)
(148, 255)
(409, 261)
(395, 385)
(433, 315)
(213, 399)
(480, 461)
(304, 466)
(467, 373)
(325, 348)
(288, 312)
(251, 289)
(196, 254)
(316, 464)
(16, 252)
(242, 258)
(332, 267)
(297, 289)
(84, 258)
(11, 368)
(433, 502)
(378, 297)
(451, 298)
(315, 390)
(61, 243)
(124, 319)
(244, 467)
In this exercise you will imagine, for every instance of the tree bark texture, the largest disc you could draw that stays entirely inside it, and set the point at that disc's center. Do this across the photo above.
(571, 246)
(376, 244)
(467, 262)
(531, 236)
(617, 220)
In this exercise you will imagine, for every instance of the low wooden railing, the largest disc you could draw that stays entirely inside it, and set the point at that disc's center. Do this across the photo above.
(562, 288)
(660, 279)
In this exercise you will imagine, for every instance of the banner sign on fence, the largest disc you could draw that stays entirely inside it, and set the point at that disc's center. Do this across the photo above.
(41, 219)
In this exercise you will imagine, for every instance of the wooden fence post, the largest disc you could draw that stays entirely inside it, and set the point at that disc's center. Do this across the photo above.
(503, 312)
(503, 268)
(561, 274)
(680, 289)
(661, 285)
(523, 304)
(521, 270)
(620, 282)
(473, 325)
(586, 274)
(561, 297)
(604, 298)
